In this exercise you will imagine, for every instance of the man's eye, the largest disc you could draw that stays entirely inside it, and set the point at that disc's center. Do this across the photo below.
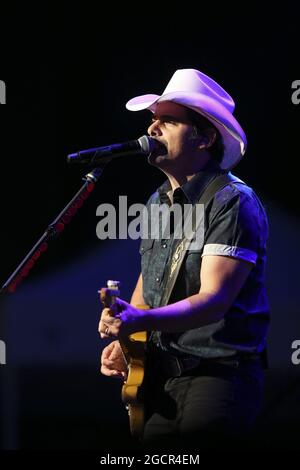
(169, 121)
(165, 120)
(172, 122)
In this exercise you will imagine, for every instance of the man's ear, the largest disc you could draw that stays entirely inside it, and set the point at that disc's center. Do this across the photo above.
(208, 138)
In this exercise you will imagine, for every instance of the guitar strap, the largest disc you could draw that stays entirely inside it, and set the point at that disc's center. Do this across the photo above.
(181, 249)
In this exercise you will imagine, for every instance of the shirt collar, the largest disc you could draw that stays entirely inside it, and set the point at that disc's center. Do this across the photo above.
(191, 190)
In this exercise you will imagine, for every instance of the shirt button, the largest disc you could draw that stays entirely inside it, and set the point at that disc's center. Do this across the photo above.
(164, 245)
(157, 279)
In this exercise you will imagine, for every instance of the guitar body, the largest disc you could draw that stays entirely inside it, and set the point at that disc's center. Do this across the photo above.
(131, 390)
(133, 348)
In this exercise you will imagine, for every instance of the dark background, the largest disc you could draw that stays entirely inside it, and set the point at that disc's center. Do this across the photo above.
(69, 71)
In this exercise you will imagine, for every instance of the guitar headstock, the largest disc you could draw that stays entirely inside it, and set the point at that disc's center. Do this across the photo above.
(108, 294)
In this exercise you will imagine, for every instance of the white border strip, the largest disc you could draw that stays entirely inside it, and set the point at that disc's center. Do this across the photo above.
(232, 251)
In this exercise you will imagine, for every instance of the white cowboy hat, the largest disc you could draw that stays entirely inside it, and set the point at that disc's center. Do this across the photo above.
(199, 92)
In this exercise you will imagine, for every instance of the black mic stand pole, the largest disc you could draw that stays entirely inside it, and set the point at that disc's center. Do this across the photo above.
(52, 231)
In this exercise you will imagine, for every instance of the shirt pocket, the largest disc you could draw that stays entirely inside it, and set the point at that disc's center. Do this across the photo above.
(146, 248)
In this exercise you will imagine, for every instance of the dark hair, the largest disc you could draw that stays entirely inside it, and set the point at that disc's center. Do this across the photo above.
(201, 123)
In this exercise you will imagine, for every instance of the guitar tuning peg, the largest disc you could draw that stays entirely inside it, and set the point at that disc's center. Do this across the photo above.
(113, 284)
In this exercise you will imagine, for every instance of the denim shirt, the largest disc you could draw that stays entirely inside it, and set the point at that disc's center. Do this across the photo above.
(235, 226)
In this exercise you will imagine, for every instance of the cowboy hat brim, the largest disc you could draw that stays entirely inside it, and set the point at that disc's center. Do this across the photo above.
(234, 138)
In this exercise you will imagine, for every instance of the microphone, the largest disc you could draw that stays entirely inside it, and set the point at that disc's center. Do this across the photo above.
(94, 157)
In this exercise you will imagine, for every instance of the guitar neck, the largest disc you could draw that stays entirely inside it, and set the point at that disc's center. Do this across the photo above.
(108, 297)
(124, 343)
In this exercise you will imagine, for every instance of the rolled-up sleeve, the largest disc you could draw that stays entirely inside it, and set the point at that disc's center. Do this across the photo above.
(236, 225)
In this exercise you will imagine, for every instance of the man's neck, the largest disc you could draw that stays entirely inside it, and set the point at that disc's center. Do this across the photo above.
(177, 181)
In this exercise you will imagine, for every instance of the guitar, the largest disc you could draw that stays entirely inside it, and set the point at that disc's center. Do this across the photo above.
(134, 356)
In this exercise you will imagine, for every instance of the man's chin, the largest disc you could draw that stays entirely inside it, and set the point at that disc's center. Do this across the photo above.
(157, 160)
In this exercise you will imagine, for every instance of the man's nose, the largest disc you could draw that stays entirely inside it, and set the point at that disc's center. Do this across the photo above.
(154, 128)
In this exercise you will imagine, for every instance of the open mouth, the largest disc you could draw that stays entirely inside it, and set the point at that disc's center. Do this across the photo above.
(159, 149)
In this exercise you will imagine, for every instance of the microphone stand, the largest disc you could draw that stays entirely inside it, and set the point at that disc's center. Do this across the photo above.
(8, 375)
(52, 231)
